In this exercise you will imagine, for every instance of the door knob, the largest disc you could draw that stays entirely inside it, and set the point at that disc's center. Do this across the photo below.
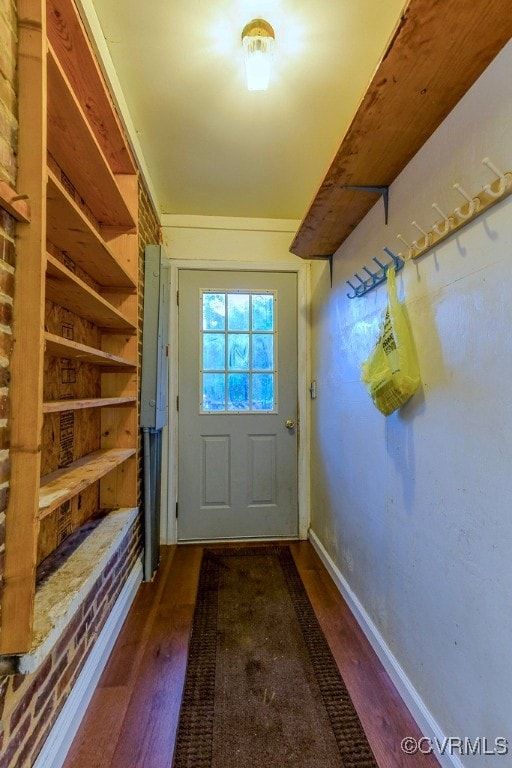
(289, 423)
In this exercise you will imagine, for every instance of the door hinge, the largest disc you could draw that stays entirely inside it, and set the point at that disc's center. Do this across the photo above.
(177, 402)
(178, 298)
(176, 510)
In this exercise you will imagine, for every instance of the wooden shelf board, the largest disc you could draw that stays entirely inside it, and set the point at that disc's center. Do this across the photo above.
(74, 146)
(60, 347)
(69, 39)
(437, 52)
(58, 406)
(70, 230)
(65, 483)
(66, 289)
(11, 202)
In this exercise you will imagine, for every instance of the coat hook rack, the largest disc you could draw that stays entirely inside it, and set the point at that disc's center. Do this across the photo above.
(374, 278)
(384, 191)
(474, 206)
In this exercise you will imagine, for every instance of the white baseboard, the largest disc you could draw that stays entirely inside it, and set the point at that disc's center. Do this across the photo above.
(61, 736)
(412, 699)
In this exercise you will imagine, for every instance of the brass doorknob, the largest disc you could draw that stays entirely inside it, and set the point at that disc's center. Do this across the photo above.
(289, 423)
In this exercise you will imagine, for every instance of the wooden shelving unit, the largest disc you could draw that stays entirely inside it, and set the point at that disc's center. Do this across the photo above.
(435, 55)
(75, 356)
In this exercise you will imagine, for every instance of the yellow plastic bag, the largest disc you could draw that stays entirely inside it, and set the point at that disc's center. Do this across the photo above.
(391, 373)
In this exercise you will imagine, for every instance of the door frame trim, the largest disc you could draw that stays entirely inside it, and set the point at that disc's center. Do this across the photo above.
(168, 533)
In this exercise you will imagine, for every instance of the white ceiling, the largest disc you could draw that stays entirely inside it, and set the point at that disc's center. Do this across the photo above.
(213, 148)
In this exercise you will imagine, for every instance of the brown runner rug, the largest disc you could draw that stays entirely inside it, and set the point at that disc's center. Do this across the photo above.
(262, 689)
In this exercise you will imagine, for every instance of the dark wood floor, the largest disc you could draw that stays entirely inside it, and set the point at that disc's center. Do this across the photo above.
(132, 718)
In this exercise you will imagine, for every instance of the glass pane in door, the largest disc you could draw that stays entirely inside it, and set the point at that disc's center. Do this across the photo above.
(238, 338)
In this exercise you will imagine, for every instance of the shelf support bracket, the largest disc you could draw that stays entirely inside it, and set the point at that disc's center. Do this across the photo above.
(329, 258)
(383, 191)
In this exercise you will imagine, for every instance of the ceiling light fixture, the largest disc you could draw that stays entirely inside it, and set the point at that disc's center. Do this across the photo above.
(258, 42)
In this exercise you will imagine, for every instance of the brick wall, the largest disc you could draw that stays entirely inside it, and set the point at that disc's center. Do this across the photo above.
(29, 704)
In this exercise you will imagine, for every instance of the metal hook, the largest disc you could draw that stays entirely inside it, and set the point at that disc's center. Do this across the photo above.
(427, 237)
(360, 289)
(474, 203)
(373, 276)
(410, 247)
(447, 221)
(398, 262)
(503, 181)
(382, 267)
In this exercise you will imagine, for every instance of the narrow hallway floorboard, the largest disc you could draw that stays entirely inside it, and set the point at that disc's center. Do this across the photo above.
(132, 718)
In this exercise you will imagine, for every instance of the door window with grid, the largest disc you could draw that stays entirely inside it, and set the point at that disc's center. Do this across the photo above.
(238, 352)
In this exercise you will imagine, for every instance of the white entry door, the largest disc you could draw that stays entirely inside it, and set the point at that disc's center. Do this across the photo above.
(237, 460)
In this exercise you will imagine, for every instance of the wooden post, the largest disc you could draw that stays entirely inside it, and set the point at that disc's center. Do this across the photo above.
(27, 356)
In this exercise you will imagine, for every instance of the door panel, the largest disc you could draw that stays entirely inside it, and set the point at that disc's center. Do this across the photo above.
(215, 470)
(262, 469)
(237, 463)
